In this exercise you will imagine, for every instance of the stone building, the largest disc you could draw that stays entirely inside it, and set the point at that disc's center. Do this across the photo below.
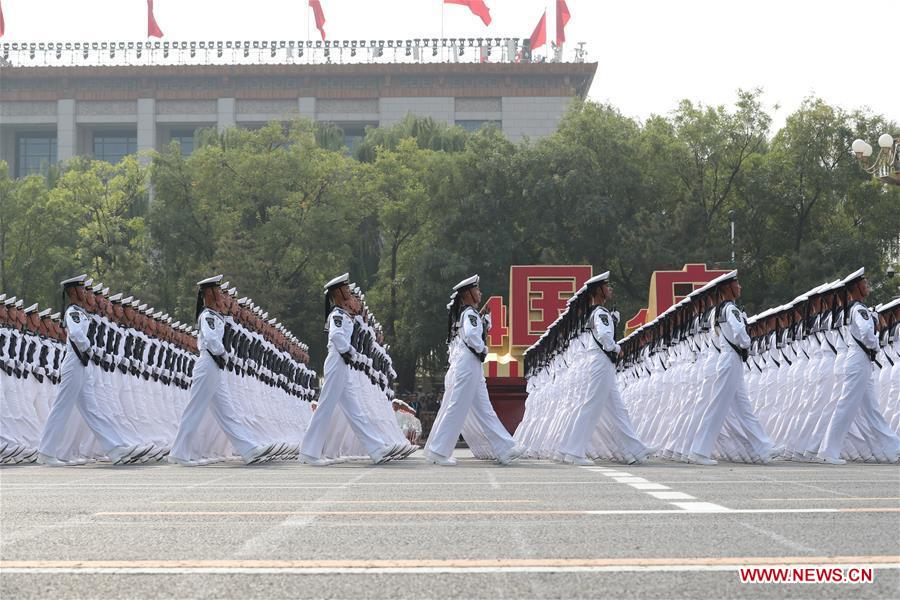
(52, 113)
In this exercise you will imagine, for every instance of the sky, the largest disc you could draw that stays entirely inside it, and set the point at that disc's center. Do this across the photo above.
(650, 53)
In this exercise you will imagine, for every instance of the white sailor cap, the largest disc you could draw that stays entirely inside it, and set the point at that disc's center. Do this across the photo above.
(97, 288)
(19, 304)
(135, 303)
(243, 301)
(271, 321)
(142, 308)
(265, 315)
(224, 285)
(233, 292)
(116, 298)
(337, 282)
(127, 300)
(88, 282)
(176, 324)
(215, 280)
(889, 305)
(597, 279)
(857, 274)
(799, 300)
(31, 309)
(55, 316)
(45, 313)
(467, 283)
(79, 280)
(105, 291)
(726, 277)
(10, 301)
(157, 315)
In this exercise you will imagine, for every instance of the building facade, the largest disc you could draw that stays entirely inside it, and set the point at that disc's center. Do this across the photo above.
(53, 113)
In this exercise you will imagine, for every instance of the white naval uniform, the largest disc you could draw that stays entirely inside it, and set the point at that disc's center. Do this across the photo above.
(601, 400)
(340, 390)
(76, 389)
(466, 393)
(210, 394)
(857, 395)
(729, 393)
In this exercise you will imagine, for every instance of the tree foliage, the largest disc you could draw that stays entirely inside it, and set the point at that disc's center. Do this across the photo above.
(422, 204)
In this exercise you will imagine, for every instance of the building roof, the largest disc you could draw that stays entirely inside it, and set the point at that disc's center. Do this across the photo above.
(199, 82)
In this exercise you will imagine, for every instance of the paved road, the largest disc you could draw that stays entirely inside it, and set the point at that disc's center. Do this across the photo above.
(411, 530)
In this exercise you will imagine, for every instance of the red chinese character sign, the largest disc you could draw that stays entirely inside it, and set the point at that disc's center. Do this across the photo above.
(669, 287)
(537, 295)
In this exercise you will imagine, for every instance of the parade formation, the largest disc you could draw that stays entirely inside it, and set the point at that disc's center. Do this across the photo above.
(110, 379)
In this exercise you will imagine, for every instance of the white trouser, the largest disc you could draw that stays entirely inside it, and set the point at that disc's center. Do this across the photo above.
(601, 400)
(729, 396)
(339, 390)
(209, 392)
(76, 389)
(467, 392)
(858, 396)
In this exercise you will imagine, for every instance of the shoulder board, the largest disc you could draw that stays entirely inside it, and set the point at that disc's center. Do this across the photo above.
(721, 309)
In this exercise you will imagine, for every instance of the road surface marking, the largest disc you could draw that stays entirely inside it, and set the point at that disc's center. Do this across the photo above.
(391, 502)
(690, 508)
(700, 506)
(671, 495)
(426, 566)
(644, 487)
(631, 480)
(841, 498)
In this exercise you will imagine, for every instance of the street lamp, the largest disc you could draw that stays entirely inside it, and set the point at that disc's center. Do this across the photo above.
(887, 162)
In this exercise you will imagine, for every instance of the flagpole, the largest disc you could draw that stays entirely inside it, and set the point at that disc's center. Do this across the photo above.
(442, 28)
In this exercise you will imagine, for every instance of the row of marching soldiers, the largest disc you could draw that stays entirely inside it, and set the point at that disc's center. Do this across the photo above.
(354, 417)
(118, 380)
(106, 380)
(815, 380)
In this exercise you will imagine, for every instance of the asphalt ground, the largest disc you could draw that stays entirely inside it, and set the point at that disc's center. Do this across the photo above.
(413, 530)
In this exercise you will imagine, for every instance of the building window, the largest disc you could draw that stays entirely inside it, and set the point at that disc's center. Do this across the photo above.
(34, 152)
(114, 146)
(185, 139)
(476, 124)
(354, 134)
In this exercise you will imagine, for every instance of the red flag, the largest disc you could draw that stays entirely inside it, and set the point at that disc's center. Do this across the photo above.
(153, 29)
(2, 22)
(539, 35)
(562, 17)
(478, 7)
(316, 6)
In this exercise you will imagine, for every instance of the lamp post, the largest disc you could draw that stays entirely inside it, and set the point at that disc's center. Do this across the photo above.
(886, 166)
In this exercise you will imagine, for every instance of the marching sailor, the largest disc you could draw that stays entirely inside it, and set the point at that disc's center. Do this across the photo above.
(858, 394)
(76, 390)
(209, 388)
(341, 387)
(602, 399)
(729, 393)
(466, 392)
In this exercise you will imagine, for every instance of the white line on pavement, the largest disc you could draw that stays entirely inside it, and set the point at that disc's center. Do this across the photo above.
(402, 570)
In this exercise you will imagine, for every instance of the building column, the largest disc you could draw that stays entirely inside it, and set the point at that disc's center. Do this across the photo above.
(66, 132)
(226, 113)
(307, 108)
(146, 129)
